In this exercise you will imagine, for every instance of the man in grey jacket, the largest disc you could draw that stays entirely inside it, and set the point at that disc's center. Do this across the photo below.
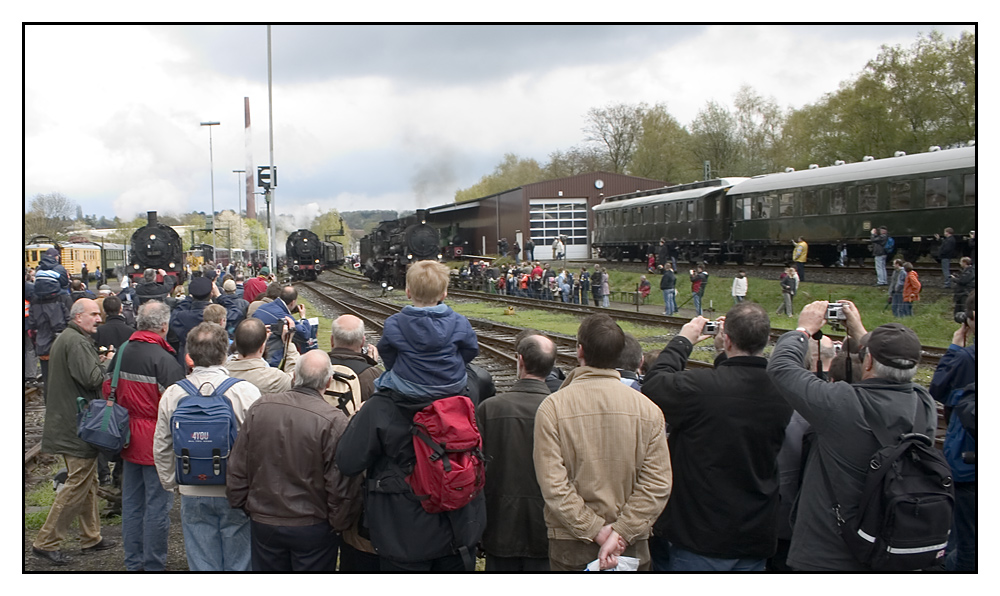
(837, 412)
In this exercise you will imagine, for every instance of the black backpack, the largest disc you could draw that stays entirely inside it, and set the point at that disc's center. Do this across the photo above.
(905, 512)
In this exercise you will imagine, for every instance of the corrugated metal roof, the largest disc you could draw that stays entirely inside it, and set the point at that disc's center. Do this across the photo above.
(947, 159)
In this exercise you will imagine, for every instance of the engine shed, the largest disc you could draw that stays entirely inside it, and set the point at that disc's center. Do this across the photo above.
(541, 211)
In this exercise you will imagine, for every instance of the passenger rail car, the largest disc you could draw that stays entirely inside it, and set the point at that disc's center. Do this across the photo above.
(913, 196)
(304, 255)
(156, 246)
(333, 254)
(629, 226)
(394, 244)
(72, 255)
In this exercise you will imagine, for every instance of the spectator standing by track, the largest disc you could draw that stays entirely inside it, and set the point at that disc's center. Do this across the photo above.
(789, 285)
(596, 284)
(85, 276)
(946, 253)
(896, 287)
(911, 289)
(77, 371)
(148, 367)
(699, 279)
(740, 285)
(799, 256)
(529, 250)
(965, 283)
(668, 285)
(605, 289)
(879, 238)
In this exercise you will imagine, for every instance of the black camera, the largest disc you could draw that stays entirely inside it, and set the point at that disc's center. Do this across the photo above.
(835, 312)
(277, 326)
(960, 318)
(711, 328)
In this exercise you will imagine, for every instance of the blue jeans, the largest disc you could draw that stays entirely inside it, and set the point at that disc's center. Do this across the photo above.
(946, 272)
(216, 536)
(697, 303)
(669, 304)
(897, 304)
(880, 270)
(685, 560)
(145, 518)
(962, 546)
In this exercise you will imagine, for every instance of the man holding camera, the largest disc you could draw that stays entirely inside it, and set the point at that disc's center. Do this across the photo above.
(844, 441)
(280, 309)
(347, 338)
(250, 338)
(727, 425)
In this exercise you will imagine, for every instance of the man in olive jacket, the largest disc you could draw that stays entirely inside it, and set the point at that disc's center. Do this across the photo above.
(76, 370)
(515, 538)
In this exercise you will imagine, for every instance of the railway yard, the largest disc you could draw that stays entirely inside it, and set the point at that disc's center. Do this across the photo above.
(339, 292)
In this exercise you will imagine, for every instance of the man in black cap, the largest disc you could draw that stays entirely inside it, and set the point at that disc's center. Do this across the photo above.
(189, 312)
(837, 412)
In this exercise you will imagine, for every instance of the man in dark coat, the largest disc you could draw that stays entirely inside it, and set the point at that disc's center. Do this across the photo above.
(727, 425)
(347, 338)
(150, 289)
(947, 252)
(515, 538)
(115, 331)
(663, 253)
(77, 371)
(189, 313)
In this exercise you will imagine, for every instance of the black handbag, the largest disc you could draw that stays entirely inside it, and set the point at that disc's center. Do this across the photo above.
(103, 423)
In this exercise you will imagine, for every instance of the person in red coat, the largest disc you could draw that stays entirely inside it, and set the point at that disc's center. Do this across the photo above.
(256, 286)
(148, 366)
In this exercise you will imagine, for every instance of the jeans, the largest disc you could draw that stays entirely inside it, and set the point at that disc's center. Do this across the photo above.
(906, 309)
(946, 272)
(669, 304)
(145, 518)
(800, 269)
(897, 304)
(216, 536)
(697, 303)
(685, 560)
(962, 546)
(880, 270)
(738, 299)
(605, 300)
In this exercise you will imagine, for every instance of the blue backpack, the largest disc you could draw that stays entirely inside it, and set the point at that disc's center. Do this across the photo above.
(204, 429)
(890, 246)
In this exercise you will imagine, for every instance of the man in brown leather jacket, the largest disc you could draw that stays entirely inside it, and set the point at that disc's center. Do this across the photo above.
(297, 500)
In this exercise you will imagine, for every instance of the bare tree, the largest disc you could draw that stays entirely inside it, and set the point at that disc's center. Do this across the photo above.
(49, 214)
(616, 128)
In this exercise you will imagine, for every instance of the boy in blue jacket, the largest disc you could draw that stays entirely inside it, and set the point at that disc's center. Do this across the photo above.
(425, 346)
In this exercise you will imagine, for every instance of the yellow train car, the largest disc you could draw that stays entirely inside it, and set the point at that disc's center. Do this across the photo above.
(74, 255)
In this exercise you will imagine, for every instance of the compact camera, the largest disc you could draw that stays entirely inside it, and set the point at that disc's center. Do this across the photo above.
(835, 312)
(711, 328)
(960, 317)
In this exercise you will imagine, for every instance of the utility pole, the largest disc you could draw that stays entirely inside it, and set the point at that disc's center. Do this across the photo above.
(270, 135)
(211, 161)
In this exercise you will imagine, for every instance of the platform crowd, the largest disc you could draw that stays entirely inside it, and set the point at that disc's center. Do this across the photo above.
(629, 459)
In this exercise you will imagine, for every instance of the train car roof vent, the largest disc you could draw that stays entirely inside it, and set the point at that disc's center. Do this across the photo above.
(868, 158)
(934, 148)
(839, 162)
(789, 170)
(814, 166)
(899, 154)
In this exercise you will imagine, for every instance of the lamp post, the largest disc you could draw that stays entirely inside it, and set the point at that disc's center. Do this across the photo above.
(239, 204)
(211, 165)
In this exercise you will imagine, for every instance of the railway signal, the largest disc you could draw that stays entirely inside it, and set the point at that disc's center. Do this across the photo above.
(266, 178)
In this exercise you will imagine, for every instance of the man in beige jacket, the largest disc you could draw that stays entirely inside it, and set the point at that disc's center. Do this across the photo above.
(250, 338)
(601, 458)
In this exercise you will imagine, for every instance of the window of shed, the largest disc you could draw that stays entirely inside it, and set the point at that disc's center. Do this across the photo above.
(969, 197)
(867, 197)
(899, 195)
(936, 192)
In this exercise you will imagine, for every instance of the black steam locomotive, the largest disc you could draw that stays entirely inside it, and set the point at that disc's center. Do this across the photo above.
(304, 255)
(156, 246)
(393, 245)
(754, 220)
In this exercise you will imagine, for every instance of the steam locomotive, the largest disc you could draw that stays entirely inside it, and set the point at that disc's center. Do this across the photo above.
(834, 208)
(394, 244)
(156, 246)
(304, 255)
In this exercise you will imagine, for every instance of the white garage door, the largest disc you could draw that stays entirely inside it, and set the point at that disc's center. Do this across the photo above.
(550, 219)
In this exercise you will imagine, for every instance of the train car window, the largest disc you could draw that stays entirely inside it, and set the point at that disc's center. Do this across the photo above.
(786, 202)
(899, 195)
(690, 211)
(718, 207)
(969, 197)
(747, 208)
(810, 202)
(699, 210)
(936, 192)
(867, 197)
(667, 212)
(838, 201)
(762, 207)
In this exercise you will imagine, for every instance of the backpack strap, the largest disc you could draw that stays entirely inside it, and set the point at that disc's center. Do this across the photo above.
(118, 367)
(188, 387)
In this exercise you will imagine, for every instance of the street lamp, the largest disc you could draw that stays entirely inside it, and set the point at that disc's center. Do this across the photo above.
(239, 202)
(211, 165)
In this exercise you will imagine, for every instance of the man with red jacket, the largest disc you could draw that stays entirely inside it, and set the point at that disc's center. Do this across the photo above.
(256, 286)
(149, 366)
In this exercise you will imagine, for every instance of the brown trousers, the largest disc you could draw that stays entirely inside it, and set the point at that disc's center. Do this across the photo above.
(78, 497)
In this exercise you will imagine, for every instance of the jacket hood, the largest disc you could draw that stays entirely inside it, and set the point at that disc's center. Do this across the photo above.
(428, 329)
(881, 391)
(151, 338)
(48, 261)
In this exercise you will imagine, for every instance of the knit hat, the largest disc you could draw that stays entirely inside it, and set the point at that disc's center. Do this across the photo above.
(893, 341)
(264, 271)
(229, 285)
(200, 288)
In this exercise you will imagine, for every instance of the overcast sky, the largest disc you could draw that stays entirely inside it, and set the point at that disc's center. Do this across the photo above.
(378, 116)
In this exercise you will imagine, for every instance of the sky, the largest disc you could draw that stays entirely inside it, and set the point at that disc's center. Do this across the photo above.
(377, 116)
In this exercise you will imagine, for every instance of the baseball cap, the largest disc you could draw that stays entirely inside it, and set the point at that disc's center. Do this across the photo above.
(893, 342)
(229, 285)
(200, 287)
(264, 271)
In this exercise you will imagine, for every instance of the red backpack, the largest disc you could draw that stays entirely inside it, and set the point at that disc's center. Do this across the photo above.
(449, 471)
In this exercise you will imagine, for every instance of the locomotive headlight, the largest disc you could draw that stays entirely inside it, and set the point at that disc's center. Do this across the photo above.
(136, 266)
(317, 260)
(385, 285)
(171, 265)
(152, 236)
(439, 257)
(410, 257)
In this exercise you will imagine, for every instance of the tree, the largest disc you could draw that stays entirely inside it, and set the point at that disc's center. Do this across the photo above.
(49, 214)
(578, 159)
(332, 224)
(715, 138)
(663, 150)
(759, 122)
(616, 129)
(509, 173)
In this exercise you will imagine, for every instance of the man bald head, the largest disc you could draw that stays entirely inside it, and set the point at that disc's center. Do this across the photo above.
(348, 332)
(536, 355)
(313, 370)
